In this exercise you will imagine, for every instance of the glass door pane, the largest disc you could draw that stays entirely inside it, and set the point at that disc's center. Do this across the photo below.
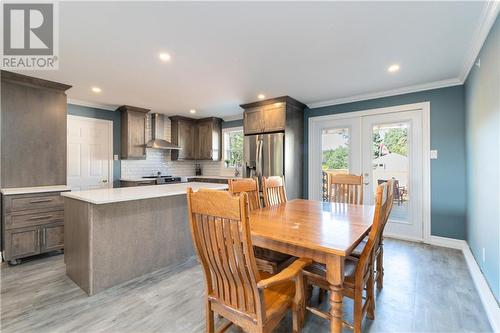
(393, 149)
(390, 160)
(334, 154)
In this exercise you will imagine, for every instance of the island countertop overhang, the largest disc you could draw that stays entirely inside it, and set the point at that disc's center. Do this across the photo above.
(111, 195)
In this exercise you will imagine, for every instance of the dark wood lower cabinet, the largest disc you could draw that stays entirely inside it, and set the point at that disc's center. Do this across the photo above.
(25, 242)
(52, 237)
(22, 242)
(31, 224)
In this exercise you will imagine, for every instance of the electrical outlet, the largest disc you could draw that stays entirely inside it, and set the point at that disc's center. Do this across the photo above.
(484, 255)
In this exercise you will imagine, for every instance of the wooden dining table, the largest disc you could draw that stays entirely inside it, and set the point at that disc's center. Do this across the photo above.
(322, 231)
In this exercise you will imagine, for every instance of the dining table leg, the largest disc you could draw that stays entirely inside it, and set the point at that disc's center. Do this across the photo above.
(335, 277)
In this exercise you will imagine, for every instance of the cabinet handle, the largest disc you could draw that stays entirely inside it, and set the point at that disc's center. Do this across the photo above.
(38, 237)
(39, 218)
(43, 237)
(40, 200)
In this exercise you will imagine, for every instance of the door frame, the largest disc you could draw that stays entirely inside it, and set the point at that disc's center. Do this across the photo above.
(109, 123)
(314, 153)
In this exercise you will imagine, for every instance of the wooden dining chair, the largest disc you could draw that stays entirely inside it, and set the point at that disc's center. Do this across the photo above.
(344, 188)
(359, 274)
(273, 190)
(267, 260)
(379, 248)
(235, 289)
(249, 186)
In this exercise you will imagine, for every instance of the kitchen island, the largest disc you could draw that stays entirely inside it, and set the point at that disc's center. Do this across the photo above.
(114, 235)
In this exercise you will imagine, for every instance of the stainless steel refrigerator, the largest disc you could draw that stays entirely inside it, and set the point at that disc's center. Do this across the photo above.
(263, 155)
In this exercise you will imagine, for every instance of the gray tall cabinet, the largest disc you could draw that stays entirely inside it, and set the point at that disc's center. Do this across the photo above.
(32, 164)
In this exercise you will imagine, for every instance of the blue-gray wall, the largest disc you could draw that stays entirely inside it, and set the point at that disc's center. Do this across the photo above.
(448, 211)
(232, 123)
(84, 111)
(482, 105)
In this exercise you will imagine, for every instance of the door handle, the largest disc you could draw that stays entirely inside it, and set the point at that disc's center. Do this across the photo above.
(38, 239)
(43, 238)
(258, 168)
(366, 178)
(104, 181)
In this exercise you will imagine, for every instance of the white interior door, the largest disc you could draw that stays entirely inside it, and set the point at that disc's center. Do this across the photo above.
(392, 149)
(90, 153)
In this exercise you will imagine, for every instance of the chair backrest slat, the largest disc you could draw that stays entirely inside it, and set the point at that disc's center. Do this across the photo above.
(344, 188)
(273, 190)
(379, 216)
(221, 234)
(249, 186)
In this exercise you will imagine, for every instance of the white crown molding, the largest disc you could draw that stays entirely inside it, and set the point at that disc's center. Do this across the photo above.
(488, 16)
(486, 21)
(387, 93)
(92, 105)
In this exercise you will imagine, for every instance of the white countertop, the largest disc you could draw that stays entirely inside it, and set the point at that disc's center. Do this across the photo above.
(36, 189)
(105, 196)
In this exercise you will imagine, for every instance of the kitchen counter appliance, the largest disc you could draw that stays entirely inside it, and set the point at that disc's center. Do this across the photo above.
(160, 180)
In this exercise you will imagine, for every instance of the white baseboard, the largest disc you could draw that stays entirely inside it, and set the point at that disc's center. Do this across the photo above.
(409, 239)
(458, 244)
(489, 302)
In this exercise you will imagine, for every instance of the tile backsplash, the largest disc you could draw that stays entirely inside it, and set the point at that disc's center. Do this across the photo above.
(159, 160)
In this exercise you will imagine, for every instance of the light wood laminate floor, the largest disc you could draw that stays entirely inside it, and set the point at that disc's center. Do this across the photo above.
(427, 289)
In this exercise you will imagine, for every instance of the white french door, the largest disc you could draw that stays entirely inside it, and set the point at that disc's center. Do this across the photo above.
(90, 153)
(379, 144)
(392, 149)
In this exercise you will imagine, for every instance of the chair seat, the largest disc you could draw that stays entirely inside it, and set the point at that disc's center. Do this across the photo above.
(278, 297)
(349, 270)
(356, 253)
(359, 249)
(270, 255)
(271, 261)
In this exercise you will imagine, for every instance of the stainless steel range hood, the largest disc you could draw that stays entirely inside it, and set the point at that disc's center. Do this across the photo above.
(157, 131)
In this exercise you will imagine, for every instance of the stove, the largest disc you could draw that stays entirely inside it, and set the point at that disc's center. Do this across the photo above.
(161, 180)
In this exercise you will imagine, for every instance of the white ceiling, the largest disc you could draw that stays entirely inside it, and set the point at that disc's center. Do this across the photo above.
(225, 53)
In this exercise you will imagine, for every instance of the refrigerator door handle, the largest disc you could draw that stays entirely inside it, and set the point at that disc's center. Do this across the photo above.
(258, 162)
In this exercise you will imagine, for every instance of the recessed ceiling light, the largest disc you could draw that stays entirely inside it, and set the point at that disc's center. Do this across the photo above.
(261, 96)
(393, 68)
(192, 111)
(96, 90)
(164, 57)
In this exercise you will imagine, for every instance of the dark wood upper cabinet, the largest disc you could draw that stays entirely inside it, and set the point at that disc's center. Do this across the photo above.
(33, 131)
(270, 115)
(209, 139)
(253, 121)
(183, 134)
(199, 139)
(133, 132)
